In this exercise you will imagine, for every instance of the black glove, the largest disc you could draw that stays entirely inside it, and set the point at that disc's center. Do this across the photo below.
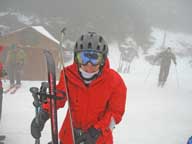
(89, 137)
(38, 123)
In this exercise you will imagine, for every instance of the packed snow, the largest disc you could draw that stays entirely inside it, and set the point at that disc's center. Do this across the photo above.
(153, 115)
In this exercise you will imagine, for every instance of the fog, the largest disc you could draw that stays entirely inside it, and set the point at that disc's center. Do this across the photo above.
(153, 115)
(114, 19)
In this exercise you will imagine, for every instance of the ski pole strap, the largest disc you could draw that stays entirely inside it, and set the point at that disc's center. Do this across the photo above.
(46, 95)
(52, 96)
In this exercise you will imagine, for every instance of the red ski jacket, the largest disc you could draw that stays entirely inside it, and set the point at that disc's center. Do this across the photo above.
(1, 69)
(93, 105)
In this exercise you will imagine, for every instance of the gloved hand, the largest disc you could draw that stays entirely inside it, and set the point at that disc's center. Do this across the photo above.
(89, 137)
(38, 123)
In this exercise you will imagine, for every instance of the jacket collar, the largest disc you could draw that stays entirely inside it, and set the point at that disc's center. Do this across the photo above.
(74, 76)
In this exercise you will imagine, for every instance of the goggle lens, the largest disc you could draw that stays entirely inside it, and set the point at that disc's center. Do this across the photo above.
(93, 57)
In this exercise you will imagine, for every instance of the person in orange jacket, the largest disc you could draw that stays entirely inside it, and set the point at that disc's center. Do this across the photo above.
(97, 95)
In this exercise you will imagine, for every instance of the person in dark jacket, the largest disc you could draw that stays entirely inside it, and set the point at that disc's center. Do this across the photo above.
(97, 95)
(165, 58)
(126, 58)
(128, 53)
(15, 62)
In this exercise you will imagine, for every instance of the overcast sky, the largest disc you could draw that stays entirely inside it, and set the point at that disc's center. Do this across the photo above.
(174, 15)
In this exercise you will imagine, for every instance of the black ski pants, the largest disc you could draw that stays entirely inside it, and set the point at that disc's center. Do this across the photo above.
(14, 73)
(164, 72)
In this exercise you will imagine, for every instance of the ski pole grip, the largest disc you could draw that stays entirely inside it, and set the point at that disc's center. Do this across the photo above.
(45, 85)
(35, 91)
(43, 91)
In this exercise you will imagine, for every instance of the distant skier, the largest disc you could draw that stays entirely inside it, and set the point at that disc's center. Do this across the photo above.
(165, 58)
(128, 53)
(2, 74)
(15, 62)
(97, 95)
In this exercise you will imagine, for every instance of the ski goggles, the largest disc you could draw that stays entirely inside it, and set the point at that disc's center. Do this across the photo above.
(84, 57)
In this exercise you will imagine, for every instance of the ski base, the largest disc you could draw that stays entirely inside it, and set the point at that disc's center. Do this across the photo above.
(9, 89)
(15, 89)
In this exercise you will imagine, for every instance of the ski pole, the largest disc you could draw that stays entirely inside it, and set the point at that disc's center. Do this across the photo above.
(150, 70)
(176, 74)
(119, 69)
(66, 86)
(37, 105)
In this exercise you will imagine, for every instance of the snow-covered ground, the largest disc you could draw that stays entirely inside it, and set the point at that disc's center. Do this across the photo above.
(153, 114)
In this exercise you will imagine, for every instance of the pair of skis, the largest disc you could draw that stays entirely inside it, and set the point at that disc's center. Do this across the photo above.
(12, 89)
(42, 96)
(52, 94)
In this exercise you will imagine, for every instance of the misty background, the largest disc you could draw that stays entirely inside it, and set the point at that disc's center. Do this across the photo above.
(153, 115)
(113, 19)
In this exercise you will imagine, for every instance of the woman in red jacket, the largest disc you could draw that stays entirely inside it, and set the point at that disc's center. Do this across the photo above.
(97, 95)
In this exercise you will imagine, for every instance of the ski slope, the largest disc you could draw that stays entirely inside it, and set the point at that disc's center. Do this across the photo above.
(153, 114)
